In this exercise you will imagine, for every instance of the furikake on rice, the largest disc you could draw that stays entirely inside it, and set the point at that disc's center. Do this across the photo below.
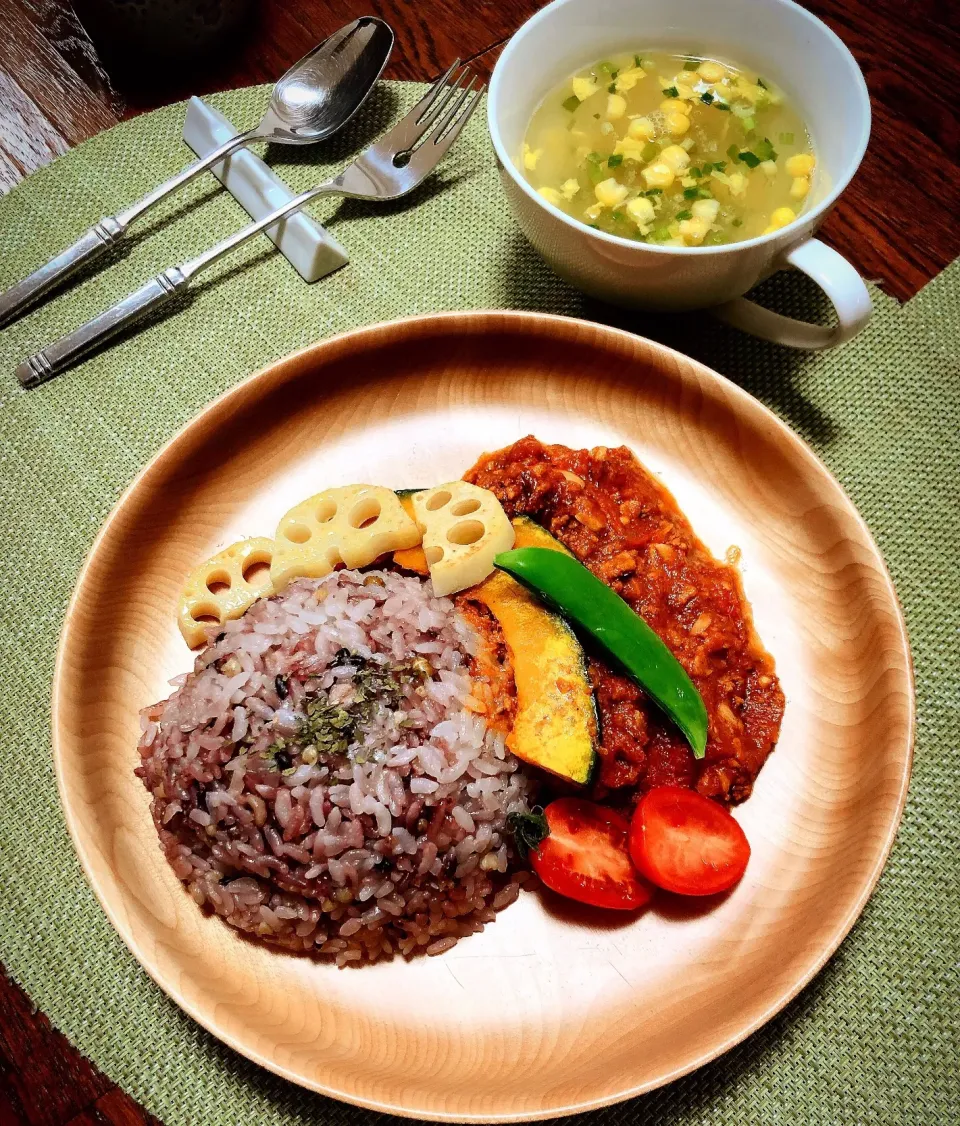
(324, 779)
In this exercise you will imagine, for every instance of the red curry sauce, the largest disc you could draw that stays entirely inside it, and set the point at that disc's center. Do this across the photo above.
(622, 524)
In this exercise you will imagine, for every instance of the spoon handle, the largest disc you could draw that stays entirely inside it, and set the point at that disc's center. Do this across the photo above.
(106, 233)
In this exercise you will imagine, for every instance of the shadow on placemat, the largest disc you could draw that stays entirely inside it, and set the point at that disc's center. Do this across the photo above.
(875, 1038)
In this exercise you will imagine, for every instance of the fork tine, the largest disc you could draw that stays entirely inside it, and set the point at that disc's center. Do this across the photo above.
(431, 95)
(412, 126)
(457, 105)
(427, 119)
(429, 155)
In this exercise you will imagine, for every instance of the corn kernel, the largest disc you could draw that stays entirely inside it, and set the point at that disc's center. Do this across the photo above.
(551, 195)
(569, 188)
(584, 88)
(674, 105)
(780, 218)
(693, 231)
(677, 159)
(676, 123)
(748, 90)
(658, 175)
(800, 187)
(609, 193)
(641, 211)
(711, 72)
(641, 128)
(616, 106)
(800, 165)
(530, 157)
(706, 209)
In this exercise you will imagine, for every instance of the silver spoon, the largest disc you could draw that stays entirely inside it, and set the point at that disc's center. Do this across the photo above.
(316, 96)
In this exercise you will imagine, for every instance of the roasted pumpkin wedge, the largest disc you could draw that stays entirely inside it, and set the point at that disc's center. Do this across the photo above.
(410, 558)
(556, 720)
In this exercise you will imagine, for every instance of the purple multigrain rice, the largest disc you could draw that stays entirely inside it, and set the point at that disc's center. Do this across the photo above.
(394, 838)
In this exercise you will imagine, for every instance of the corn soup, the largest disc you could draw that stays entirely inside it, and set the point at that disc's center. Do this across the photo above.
(670, 149)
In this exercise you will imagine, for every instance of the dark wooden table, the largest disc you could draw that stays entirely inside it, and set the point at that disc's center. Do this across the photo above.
(899, 223)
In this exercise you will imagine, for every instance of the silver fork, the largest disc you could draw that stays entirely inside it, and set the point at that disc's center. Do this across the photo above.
(390, 168)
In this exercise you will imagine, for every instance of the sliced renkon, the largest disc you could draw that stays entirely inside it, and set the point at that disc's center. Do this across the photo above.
(224, 587)
(353, 525)
(463, 527)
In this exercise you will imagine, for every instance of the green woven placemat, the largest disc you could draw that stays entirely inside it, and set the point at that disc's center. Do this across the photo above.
(875, 1038)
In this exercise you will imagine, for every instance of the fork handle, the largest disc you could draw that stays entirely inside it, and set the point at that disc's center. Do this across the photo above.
(46, 363)
(91, 244)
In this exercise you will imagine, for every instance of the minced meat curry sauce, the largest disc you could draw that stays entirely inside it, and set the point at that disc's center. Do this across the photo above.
(627, 529)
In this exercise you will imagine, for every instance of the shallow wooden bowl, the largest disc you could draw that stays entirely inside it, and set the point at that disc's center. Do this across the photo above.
(550, 1010)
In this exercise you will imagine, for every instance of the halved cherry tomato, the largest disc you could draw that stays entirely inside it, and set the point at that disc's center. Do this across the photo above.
(585, 856)
(686, 843)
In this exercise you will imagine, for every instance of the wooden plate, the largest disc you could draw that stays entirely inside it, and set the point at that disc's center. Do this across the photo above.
(544, 1013)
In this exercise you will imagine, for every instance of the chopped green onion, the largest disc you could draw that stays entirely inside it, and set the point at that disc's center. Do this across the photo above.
(671, 92)
(749, 159)
(691, 193)
(615, 160)
(696, 173)
(786, 138)
(721, 105)
(706, 97)
(762, 84)
(571, 103)
(597, 116)
(704, 193)
(637, 60)
(612, 88)
(594, 169)
(684, 214)
(618, 215)
(661, 234)
(749, 123)
(737, 223)
(765, 150)
(715, 238)
(649, 151)
(596, 226)
(606, 68)
(719, 165)
(691, 64)
(653, 191)
(733, 152)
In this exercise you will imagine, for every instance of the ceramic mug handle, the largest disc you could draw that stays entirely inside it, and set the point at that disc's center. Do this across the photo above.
(838, 280)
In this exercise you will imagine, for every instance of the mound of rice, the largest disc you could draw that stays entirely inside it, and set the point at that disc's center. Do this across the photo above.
(323, 781)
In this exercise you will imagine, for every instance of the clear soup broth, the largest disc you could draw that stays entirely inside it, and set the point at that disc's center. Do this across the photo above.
(671, 149)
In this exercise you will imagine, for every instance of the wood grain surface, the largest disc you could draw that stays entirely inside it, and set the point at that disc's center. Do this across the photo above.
(897, 223)
(511, 1024)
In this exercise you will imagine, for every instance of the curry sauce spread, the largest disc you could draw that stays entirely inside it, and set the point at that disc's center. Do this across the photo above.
(627, 529)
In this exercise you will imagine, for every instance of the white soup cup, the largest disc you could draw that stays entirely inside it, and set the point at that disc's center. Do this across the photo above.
(773, 37)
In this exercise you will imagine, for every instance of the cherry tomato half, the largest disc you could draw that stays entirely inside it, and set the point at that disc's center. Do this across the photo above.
(686, 843)
(585, 856)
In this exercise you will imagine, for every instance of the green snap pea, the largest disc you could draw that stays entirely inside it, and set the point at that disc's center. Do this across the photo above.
(599, 612)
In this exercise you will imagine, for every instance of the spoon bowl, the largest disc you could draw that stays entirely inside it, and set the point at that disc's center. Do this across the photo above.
(319, 94)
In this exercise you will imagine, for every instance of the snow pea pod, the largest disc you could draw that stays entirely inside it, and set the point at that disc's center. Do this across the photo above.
(596, 610)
